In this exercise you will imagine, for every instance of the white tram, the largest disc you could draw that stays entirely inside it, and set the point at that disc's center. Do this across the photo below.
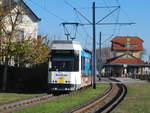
(69, 66)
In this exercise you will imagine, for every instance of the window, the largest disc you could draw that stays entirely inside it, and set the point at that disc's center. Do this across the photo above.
(82, 63)
(20, 19)
(20, 35)
(65, 60)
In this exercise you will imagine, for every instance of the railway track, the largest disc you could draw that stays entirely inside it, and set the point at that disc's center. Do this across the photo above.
(105, 103)
(24, 103)
(101, 104)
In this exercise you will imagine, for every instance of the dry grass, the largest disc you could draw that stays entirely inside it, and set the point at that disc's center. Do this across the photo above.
(5, 97)
(66, 103)
(137, 99)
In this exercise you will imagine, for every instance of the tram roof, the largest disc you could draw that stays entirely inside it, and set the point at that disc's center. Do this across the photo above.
(65, 42)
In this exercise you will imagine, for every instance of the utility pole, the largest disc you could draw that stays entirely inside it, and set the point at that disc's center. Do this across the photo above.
(100, 57)
(94, 48)
(94, 23)
(149, 59)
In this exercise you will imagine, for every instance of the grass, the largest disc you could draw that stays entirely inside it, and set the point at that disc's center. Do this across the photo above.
(68, 102)
(137, 99)
(5, 97)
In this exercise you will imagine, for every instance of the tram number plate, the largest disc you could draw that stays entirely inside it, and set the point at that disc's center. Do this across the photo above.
(61, 79)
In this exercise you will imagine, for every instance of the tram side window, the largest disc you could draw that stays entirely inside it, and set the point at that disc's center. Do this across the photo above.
(76, 63)
(90, 64)
(83, 63)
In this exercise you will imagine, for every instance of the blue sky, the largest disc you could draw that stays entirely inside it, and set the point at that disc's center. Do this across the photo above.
(54, 12)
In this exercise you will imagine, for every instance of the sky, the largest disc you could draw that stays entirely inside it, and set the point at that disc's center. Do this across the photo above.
(55, 12)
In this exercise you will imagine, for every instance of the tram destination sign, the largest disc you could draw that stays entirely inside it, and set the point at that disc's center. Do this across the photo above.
(62, 52)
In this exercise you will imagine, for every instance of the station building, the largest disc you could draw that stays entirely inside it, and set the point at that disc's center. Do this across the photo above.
(127, 57)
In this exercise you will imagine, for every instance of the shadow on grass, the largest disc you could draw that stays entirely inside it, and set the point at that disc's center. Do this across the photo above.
(25, 91)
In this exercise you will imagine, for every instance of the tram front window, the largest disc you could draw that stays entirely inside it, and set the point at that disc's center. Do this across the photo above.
(65, 61)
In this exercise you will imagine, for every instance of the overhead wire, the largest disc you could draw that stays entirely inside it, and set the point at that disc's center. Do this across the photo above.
(84, 30)
(46, 10)
(125, 14)
(77, 14)
(77, 11)
(115, 26)
(44, 5)
(78, 33)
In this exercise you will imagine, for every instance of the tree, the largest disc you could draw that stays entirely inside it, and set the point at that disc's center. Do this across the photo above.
(40, 50)
(23, 52)
(143, 53)
(105, 54)
(31, 52)
(1, 32)
(10, 19)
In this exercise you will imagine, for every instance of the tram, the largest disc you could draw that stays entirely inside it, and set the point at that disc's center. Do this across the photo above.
(69, 66)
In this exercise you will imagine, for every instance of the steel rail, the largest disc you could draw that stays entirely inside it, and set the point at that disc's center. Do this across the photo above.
(104, 103)
(16, 105)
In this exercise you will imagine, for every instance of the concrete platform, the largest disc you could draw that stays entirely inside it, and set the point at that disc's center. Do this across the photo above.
(129, 80)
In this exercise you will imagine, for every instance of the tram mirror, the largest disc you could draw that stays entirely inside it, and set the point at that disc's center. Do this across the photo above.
(50, 65)
(76, 52)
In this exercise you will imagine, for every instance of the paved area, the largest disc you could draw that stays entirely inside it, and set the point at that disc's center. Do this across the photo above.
(129, 80)
(122, 80)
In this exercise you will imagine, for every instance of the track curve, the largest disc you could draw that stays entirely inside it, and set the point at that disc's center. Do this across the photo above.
(104, 103)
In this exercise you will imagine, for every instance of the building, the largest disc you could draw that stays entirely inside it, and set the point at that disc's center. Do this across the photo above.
(28, 20)
(127, 60)
(126, 44)
(26, 25)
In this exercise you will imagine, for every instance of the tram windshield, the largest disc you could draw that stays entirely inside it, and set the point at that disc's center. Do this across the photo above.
(65, 60)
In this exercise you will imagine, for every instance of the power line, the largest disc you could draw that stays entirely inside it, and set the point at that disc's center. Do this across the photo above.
(108, 14)
(44, 4)
(77, 11)
(46, 10)
(115, 24)
(77, 14)
(84, 30)
(118, 2)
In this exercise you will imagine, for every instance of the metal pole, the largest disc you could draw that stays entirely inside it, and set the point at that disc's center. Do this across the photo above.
(94, 48)
(67, 36)
(100, 57)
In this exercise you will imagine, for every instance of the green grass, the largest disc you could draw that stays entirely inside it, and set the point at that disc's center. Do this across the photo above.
(68, 102)
(5, 97)
(137, 99)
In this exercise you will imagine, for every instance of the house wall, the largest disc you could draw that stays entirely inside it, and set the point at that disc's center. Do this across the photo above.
(118, 53)
(27, 25)
(136, 54)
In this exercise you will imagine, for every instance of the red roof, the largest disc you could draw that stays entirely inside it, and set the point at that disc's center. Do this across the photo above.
(128, 61)
(121, 42)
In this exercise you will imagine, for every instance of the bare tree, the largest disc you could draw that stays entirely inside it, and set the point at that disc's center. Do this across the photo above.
(11, 20)
(12, 47)
(105, 54)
